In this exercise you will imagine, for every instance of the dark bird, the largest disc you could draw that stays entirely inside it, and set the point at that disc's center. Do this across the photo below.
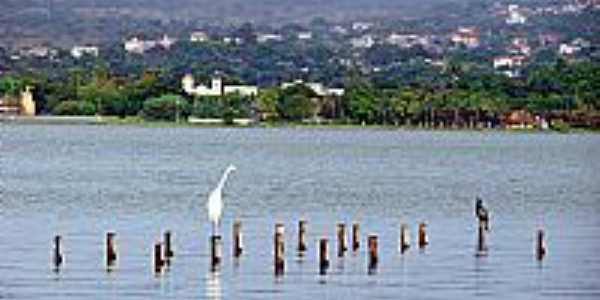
(57, 259)
(482, 213)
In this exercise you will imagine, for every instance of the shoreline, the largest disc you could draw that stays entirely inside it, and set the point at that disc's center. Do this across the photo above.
(138, 122)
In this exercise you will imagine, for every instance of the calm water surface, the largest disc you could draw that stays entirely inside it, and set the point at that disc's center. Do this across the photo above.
(82, 181)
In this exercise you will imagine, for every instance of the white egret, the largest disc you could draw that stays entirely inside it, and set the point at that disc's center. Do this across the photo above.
(215, 200)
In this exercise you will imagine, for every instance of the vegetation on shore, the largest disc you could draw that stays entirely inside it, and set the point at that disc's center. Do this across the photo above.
(459, 96)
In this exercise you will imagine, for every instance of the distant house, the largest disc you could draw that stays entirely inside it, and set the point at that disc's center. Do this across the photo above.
(38, 52)
(139, 46)
(79, 51)
(366, 41)
(466, 36)
(568, 49)
(361, 26)
(406, 40)
(519, 46)
(198, 37)
(23, 105)
(305, 35)
(318, 88)
(339, 29)
(519, 119)
(216, 88)
(269, 37)
(515, 15)
(509, 65)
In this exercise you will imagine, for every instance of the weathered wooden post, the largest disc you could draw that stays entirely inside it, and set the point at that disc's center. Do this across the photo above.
(404, 238)
(373, 255)
(168, 249)
(540, 249)
(301, 237)
(481, 244)
(57, 259)
(355, 236)
(215, 251)
(342, 241)
(111, 249)
(238, 244)
(158, 259)
(279, 249)
(323, 256)
(423, 239)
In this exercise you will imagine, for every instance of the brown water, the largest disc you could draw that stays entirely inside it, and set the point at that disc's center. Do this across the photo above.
(82, 181)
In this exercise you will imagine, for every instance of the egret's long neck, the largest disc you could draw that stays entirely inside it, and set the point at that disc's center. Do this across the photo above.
(223, 179)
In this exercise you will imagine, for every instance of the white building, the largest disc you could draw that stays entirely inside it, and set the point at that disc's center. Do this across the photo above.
(79, 51)
(509, 65)
(520, 46)
(406, 40)
(361, 26)
(318, 88)
(38, 52)
(515, 15)
(568, 49)
(139, 46)
(198, 37)
(216, 88)
(339, 29)
(365, 41)
(467, 36)
(306, 35)
(166, 42)
(269, 37)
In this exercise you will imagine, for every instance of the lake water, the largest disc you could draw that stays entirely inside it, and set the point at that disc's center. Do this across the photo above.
(82, 181)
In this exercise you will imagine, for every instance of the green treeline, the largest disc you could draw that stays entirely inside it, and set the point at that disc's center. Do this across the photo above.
(458, 94)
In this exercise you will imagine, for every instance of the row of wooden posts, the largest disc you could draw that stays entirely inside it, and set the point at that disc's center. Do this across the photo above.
(163, 251)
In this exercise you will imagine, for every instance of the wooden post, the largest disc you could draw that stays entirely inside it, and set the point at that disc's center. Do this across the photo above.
(342, 241)
(57, 257)
(301, 237)
(355, 236)
(423, 239)
(168, 249)
(215, 251)
(404, 238)
(481, 245)
(373, 255)
(158, 259)
(279, 249)
(111, 249)
(323, 256)
(540, 249)
(238, 244)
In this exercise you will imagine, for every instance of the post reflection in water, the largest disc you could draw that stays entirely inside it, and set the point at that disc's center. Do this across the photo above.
(213, 288)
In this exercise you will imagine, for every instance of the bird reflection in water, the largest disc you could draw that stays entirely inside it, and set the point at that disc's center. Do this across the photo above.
(213, 286)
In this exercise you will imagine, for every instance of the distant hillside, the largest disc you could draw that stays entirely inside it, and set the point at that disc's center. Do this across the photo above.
(25, 22)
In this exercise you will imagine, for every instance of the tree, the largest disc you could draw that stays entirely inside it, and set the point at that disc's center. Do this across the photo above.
(267, 102)
(295, 103)
(74, 108)
(362, 103)
(11, 86)
(166, 108)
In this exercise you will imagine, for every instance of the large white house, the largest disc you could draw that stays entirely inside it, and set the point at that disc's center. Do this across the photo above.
(216, 88)
(515, 15)
(139, 46)
(80, 51)
(319, 89)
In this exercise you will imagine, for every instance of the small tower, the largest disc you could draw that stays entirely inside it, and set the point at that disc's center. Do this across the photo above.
(187, 83)
(27, 103)
(217, 86)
